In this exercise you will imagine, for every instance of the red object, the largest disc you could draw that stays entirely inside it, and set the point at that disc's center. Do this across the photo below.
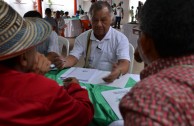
(39, 2)
(31, 99)
(86, 25)
(93, 1)
(75, 7)
(62, 33)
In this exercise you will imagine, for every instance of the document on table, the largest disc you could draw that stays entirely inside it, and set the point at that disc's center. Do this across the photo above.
(114, 100)
(121, 82)
(94, 76)
(82, 74)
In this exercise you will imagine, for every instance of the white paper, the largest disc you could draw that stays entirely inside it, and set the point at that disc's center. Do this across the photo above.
(94, 76)
(121, 82)
(135, 77)
(113, 98)
(82, 74)
(117, 123)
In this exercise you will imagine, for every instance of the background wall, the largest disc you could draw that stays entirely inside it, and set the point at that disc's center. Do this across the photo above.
(65, 5)
(22, 7)
(86, 5)
(68, 5)
(125, 7)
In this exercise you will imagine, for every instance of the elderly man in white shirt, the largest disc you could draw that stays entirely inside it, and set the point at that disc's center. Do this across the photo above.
(103, 47)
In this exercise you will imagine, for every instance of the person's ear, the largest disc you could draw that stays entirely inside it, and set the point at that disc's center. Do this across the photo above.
(23, 60)
(146, 43)
(148, 47)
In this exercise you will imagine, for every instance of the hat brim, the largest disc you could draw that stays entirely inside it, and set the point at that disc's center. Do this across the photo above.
(33, 32)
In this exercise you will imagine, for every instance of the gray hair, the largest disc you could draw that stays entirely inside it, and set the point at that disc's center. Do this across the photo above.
(99, 5)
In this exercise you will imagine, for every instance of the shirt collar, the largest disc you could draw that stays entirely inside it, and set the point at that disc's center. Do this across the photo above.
(106, 37)
(164, 63)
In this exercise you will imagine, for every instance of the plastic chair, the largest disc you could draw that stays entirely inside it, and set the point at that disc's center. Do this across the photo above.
(131, 54)
(63, 42)
(86, 25)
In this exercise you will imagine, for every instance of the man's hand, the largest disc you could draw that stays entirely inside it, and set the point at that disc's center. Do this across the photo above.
(69, 80)
(115, 73)
(59, 62)
(42, 64)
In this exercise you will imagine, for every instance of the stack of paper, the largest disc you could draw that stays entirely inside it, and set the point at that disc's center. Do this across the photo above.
(114, 100)
(94, 76)
(98, 79)
(82, 74)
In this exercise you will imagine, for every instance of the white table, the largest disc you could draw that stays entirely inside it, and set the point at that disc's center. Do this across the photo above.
(127, 30)
(73, 28)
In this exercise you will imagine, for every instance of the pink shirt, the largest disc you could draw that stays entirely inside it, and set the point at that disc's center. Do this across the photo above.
(164, 96)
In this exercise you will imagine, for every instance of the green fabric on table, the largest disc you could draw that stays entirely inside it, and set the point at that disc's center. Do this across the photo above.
(103, 115)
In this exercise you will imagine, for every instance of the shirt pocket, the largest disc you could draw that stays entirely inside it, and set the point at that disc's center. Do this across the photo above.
(108, 57)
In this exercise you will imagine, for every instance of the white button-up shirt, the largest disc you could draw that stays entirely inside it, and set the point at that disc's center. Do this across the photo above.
(113, 47)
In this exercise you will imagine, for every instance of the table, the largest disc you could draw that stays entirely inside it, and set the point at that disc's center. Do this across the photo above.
(73, 28)
(103, 115)
(127, 30)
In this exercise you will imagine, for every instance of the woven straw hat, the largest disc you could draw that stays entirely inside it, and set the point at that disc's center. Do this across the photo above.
(17, 34)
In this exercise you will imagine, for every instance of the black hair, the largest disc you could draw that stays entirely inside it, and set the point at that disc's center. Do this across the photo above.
(98, 6)
(11, 62)
(66, 13)
(32, 14)
(58, 12)
(48, 11)
(170, 23)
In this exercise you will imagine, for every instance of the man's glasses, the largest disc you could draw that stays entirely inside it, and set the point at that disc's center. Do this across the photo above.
(136, 30)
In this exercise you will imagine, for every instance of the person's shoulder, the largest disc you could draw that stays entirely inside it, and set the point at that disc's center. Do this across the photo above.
(84, 35)
(54, 34)
(37, 79)
(118, 34)
(35, 85)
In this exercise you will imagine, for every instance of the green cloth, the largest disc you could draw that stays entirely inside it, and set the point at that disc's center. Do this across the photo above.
(103, 115)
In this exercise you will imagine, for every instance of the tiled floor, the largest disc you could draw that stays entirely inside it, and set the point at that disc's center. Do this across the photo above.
(137, 67)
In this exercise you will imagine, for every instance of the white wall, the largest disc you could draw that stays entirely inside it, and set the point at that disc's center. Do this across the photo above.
(68, 5)
(22, 7)
(86, 5)
(65, 5)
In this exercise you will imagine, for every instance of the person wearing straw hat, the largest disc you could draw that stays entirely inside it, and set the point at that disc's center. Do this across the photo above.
(50, 48)
(28, 98)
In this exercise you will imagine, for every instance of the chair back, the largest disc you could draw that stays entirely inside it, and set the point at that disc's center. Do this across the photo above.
(131, 54)
(63, 42)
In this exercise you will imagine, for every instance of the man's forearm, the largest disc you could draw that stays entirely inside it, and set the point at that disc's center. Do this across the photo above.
(70, 61)
(123, 66)
(51, 56)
